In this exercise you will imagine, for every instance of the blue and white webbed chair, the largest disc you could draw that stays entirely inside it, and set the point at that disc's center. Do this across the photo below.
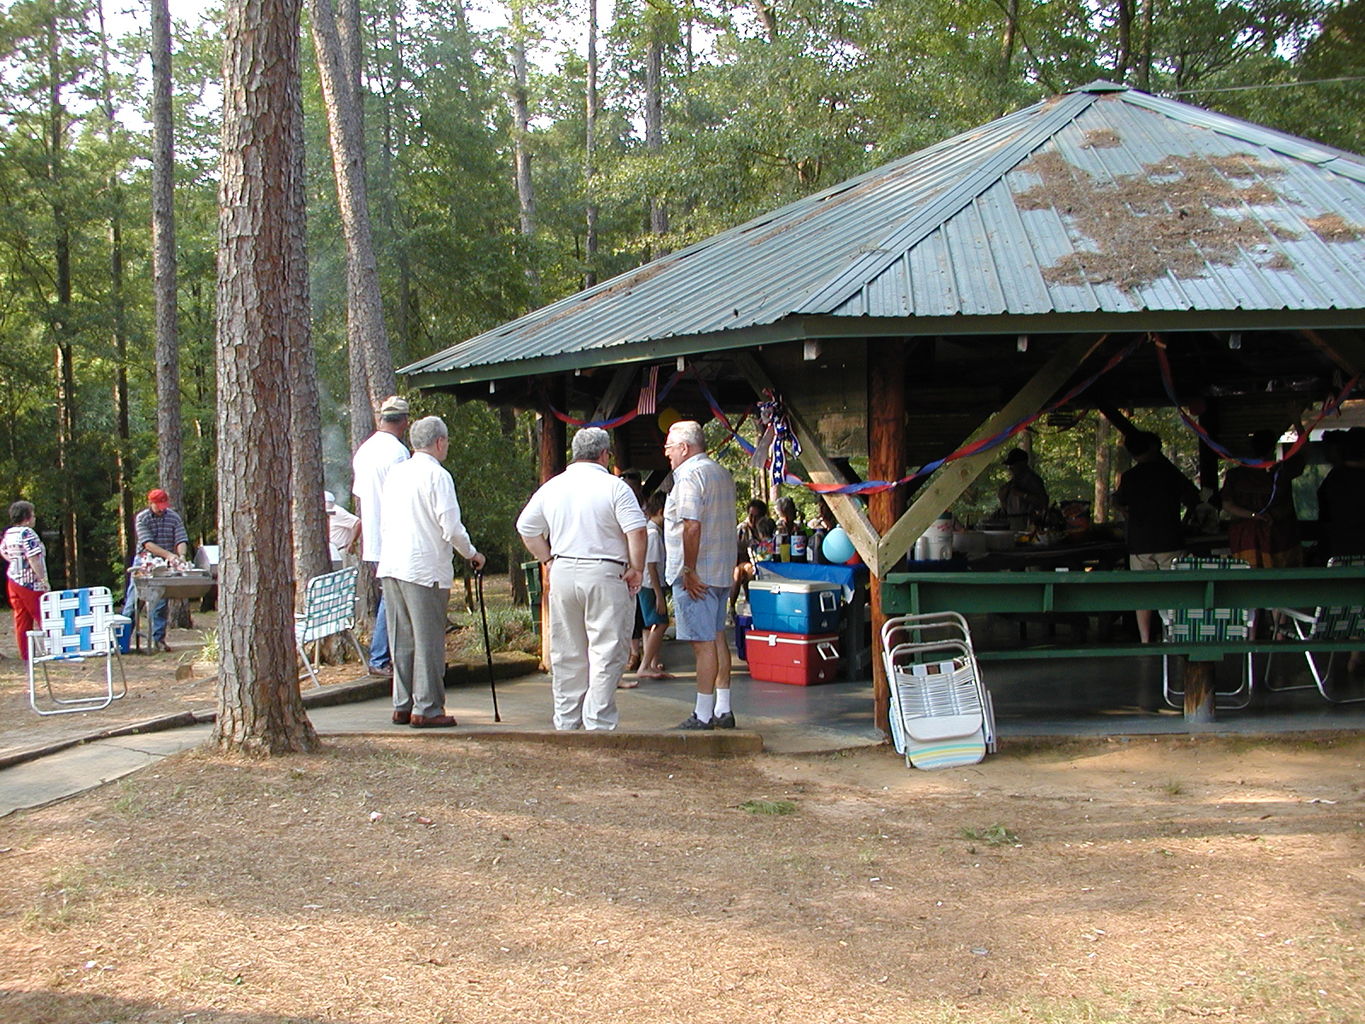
(73, 626)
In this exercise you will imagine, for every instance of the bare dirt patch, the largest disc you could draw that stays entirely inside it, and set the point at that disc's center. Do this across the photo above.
(435, 879)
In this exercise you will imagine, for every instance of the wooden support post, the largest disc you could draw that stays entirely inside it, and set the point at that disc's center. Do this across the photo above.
(951, 480)
(886, 459)
(1199, 692)
(846, 509)
(552, 438)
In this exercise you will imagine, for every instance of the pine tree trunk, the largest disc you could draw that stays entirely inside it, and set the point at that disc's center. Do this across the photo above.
(365, 330)
(521, 144)
(61, 319)
(262, 293)
(654, 136)
(590, 152)
(1103, 461)
(118, 304)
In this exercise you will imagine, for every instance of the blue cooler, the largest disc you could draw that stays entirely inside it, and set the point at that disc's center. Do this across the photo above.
(795, 606)
(123, 633)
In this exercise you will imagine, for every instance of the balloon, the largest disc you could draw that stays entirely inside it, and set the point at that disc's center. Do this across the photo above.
(668, 417)
(837, 548)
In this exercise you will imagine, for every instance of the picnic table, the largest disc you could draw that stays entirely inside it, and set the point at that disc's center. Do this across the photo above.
(1032, 592)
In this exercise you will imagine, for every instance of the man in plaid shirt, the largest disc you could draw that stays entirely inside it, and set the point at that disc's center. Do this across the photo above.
(160, 534)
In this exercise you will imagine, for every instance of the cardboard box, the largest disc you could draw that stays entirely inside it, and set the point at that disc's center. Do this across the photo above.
(795, 606)
(793, 658)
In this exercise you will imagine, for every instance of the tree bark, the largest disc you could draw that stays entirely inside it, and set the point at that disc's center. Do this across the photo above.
(654, 134)
(1103, 469)
(170, 443)
(370, 355)
(262, 288)
(590, 151)
(61, 318)
(118, 303)
(521, 139)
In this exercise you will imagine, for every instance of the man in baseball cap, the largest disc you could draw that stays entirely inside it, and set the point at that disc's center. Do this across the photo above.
(160, 534)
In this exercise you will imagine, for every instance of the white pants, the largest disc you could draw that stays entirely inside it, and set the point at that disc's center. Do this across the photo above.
(591, 614)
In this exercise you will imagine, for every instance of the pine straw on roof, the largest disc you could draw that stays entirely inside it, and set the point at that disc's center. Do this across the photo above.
(1176, 217)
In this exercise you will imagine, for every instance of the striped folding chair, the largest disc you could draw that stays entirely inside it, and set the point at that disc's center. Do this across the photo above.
(73, 626)
(1337, 622)
(1208, 625)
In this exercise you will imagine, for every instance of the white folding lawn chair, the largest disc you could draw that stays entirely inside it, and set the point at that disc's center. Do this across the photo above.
(75, 625)
(941, 714)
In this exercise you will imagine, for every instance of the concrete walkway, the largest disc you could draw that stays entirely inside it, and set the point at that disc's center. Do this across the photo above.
(1032, 700)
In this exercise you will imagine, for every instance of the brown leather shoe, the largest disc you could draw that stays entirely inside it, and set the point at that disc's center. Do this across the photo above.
(402, 717)
(431, 722)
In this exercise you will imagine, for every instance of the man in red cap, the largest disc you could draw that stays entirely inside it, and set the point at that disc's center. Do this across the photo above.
(160, 534)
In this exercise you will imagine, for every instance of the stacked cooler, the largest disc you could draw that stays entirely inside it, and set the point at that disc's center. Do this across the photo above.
(795, 633)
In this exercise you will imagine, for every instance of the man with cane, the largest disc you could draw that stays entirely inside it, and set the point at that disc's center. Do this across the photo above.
(421, 525)
(589, 524)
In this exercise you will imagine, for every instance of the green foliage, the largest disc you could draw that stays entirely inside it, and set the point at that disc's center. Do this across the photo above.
(993, 835)
(509, 629)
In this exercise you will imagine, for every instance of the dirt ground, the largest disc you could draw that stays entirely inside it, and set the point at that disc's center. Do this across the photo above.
(158, 685)
(437, 879)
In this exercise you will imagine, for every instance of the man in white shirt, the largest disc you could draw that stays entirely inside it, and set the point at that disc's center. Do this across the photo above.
(421, 525)
(700, 548)
(369, 468)
(343, 530)
(590, 523)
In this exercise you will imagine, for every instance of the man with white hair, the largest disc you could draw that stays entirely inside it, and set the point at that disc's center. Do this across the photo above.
(379, 453)
(700, 549)
(421, 525)
(589, 525)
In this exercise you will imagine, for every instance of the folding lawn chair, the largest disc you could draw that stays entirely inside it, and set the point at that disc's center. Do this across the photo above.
(1337, 622)
(75, 625)
(1208, 625)
(941, 714)
(328, 609)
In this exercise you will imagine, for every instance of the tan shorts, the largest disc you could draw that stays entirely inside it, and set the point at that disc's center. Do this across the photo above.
(1156, 560)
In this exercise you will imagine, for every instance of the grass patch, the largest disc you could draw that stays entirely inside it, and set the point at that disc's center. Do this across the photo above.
(992, 835)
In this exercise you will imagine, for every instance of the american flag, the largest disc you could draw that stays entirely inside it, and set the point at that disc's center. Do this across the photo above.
(649, 394)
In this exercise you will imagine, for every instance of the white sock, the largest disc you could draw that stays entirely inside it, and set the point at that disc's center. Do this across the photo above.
(722, 701)
(706, 703)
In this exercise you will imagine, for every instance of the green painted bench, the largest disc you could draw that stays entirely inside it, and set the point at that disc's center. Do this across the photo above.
(1117, 591)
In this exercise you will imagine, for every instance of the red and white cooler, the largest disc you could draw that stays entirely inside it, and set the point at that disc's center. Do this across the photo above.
(794, 658)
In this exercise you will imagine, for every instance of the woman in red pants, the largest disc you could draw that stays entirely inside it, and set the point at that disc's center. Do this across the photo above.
(26, 578)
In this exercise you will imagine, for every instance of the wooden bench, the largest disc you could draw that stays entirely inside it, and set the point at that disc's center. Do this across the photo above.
(1116, 591)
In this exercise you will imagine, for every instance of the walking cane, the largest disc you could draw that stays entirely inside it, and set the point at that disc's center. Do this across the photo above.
(487, 647)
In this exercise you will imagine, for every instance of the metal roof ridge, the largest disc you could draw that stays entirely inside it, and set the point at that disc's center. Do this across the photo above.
(891, 248)
(1294, 146)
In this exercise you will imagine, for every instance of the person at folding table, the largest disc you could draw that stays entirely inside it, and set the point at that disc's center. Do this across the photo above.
(160, 533)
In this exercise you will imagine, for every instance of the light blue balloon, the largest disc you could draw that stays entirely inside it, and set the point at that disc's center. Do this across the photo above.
(837, 547)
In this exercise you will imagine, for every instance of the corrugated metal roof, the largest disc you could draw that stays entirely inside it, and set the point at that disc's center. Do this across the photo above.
(943, 233)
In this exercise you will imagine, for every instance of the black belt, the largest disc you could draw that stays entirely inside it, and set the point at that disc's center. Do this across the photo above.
(575, 558)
